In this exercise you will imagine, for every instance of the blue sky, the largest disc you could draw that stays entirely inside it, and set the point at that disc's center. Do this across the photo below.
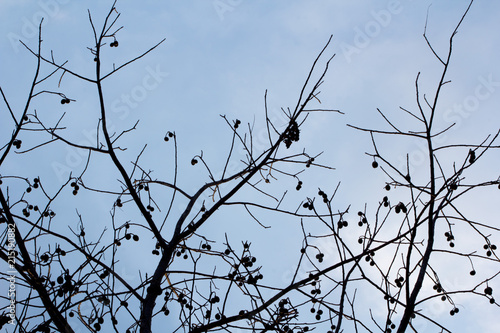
(220, 56)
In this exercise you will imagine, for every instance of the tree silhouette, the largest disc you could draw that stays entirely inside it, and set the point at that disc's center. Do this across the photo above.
(69, 280)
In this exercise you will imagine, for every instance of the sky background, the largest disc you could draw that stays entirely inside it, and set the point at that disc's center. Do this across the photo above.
(220, 56)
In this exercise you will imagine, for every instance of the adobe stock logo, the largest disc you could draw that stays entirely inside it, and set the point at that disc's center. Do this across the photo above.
(120, 106)
(223, 6)
(138, 93)
(364, 35)
(457, 115)
(470, 104)
(29, 28)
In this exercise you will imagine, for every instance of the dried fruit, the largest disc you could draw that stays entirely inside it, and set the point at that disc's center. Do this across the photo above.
(17, 143)
(472, 156)
(291, 134)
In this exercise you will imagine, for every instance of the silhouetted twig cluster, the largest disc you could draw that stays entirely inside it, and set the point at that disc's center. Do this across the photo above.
(346, 268)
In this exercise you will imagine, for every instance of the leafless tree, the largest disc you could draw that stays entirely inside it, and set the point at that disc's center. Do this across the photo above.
(67, 281)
